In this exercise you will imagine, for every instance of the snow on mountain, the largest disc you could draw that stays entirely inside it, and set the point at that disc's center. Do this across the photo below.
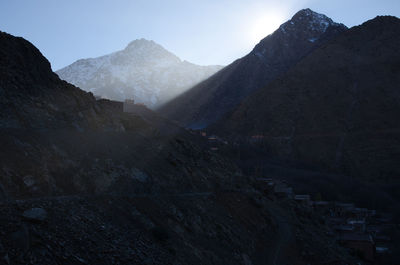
(144, 71)
(313, 21)
(304, 30)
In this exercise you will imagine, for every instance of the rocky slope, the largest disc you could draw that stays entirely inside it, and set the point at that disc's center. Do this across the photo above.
(273, 56)
(338, 108)
(144, 71)
(58, 139)
(217, 228)
(81, 182)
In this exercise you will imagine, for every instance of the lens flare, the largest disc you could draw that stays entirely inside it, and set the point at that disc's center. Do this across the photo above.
(263, 25)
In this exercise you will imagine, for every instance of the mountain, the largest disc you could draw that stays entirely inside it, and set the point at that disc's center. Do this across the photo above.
(82, 182)
(337, 108)
(272, 57)
(144, 71)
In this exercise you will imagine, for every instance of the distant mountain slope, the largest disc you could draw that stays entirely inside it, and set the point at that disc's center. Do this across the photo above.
(339, 107)
(273, 56)
(144, 70)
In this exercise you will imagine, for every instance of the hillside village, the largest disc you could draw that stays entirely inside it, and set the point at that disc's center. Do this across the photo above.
(365, 232)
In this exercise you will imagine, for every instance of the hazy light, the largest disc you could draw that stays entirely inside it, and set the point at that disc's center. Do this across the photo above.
(265, 24)
(202, 32)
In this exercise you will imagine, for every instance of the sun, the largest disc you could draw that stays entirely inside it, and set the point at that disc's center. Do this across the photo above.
(263, 25)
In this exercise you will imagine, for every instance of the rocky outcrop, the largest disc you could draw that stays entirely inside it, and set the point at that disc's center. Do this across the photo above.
(35, 214)
(33, 97)
(207, 102)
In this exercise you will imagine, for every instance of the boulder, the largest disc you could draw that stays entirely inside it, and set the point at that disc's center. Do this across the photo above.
(35, 214)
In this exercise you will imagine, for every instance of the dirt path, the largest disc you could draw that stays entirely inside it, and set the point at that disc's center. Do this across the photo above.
(144, 195)
(82, 196)
(284, 237)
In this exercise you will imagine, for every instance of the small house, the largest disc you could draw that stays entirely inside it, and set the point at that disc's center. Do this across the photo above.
(374, 229)
(360, 212)
(129, 105)
(283, 191)
(343, 209)
(381, 249)
(267, 184)
(358, 224)
(303, 199)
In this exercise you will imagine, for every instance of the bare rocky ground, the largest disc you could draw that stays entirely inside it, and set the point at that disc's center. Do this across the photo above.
(201, 228)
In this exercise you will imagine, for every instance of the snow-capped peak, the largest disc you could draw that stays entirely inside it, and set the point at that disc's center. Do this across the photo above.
(302, 32)
(144, 70)
(308, 19)
(141, 41)
(141, 44)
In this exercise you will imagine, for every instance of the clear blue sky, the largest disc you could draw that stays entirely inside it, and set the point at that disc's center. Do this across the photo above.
(200, 31)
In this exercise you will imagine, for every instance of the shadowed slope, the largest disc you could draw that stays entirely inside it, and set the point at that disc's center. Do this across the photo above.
(210, 100)
(338, 107)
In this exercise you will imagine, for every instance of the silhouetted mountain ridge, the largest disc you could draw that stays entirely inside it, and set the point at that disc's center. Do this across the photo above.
(28, 61)
(274, 55)
(337, 108)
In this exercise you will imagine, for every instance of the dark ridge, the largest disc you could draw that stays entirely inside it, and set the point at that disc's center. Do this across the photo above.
(337, 110)
(207, 102)
(17, 54)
